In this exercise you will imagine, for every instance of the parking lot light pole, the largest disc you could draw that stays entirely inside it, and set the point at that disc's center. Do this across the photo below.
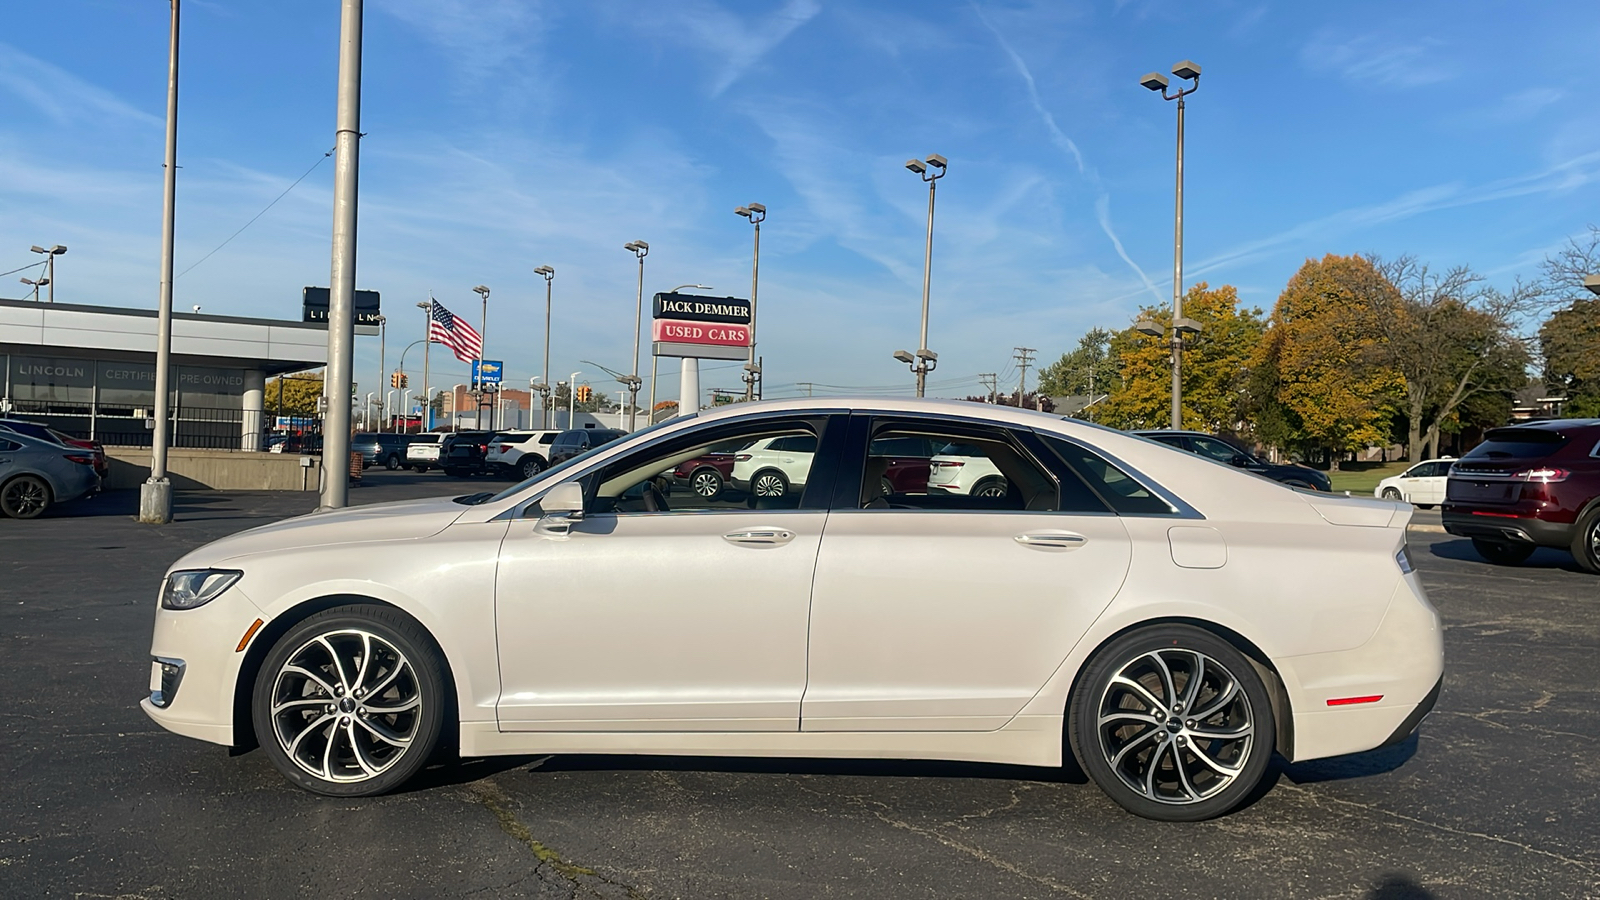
(639, 249)
(1155, 81)
(572, 400)
(383, 339)
(155, 495)
(549, 274)
(757, 214)
(427, 342)
(925, 360)
(50, 266)
(483, 347)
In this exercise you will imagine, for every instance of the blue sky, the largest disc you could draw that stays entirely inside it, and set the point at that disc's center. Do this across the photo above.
(504, 135)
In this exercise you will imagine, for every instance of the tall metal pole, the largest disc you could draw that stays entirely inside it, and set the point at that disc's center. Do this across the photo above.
(342, 277)
(641, 250)
(544, 398)
(427, 386)
(483, 347)
(756, 213)
(155, 495)
(50, 264)
(1177, 286)
(927, 270)
(383, 367)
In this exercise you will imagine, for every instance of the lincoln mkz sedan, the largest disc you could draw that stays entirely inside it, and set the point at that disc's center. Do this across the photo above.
(1170, 621)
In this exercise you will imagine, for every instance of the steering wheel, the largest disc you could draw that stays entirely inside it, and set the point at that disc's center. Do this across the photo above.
(654, 500)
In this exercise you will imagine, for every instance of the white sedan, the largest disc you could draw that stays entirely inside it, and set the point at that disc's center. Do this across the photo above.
(1170, 621)
(1422, 484)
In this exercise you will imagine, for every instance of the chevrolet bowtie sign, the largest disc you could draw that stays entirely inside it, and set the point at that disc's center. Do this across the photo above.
(687, 325)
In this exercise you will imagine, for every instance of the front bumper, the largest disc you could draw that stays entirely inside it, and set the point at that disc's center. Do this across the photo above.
(197, 700)
(1508, 528)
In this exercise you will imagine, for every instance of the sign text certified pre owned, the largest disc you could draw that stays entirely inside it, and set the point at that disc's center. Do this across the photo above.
(712, 333)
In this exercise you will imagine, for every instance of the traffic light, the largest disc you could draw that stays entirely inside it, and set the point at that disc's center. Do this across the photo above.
(584, 393)
(399, 380)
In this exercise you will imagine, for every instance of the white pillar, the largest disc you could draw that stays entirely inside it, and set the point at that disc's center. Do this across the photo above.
(689, 388)
(255, 388)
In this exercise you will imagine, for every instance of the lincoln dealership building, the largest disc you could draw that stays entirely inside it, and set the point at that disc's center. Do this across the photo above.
(89, 371)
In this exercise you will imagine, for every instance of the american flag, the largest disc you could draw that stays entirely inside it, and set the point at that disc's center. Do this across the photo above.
(447, 328)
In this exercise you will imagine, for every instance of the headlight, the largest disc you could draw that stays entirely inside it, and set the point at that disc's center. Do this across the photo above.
(190, 588)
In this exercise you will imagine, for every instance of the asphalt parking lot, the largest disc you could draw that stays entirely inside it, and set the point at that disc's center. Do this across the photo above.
(1499, 795)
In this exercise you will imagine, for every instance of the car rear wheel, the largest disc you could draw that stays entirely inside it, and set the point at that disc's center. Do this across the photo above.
(1502, 554)
(531, 466)
(351, 702)
(392, 463)
(1586, 544)
(769, 484)
(990, 487)
(706, 483)
(1173, 723)
(25, 497)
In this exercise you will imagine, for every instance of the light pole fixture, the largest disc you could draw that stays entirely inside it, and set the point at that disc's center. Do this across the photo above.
(549, 274)
(383, 342)
(1155, 81)
(35, 285)
(756, 213)
(50, 266)
(925, 360)
(572, 400)
(483, 347)
(427, 344)
(639, 249)
(1593, 284)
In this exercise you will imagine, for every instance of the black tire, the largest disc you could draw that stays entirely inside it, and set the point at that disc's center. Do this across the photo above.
(1391, 494)
(392, 462)
(885, 487)
(1236, 725)
(417, 689)
(532, 464)
(769, 483)
(706, 483)
(25, 497)
(990, 487)
(1502, 554)
(1586, 542)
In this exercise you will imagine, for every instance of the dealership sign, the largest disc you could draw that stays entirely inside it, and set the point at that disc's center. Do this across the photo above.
(698, 327)
(314, 308)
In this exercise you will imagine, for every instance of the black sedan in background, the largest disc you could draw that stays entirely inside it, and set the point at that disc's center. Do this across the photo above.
(1213, 447)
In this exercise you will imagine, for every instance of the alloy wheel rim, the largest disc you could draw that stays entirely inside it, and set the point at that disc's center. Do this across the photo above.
(1175, 726)
(24, 496)
(707, 485)
(992, 490)
(346, 706)
(769, 486)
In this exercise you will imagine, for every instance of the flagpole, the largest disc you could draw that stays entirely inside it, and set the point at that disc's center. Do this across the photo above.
(427, 339)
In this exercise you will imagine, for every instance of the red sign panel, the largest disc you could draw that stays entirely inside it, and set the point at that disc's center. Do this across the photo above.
(714, 334)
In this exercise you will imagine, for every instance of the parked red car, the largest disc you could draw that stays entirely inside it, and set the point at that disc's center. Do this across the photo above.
(708, 475)
(1529, 486)
(907, 460)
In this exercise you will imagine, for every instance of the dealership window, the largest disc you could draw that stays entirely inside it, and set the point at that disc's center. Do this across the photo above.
(764, 465)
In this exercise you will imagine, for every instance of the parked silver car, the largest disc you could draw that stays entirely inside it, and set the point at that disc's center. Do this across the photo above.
(36, 473)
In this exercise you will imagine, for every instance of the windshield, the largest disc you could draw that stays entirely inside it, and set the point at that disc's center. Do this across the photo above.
(1517, 443)
(559, 469)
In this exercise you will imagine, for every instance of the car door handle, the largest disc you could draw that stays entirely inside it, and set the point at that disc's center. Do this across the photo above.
(759, 536)
(1052, 541)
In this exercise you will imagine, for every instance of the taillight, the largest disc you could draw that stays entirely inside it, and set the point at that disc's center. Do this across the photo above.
(743, 457)
(947, 465)
(80, 460)
(504, 448)
(1544, 474)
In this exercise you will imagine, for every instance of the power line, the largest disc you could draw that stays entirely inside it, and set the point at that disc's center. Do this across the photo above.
(23, 268)
(259, 214)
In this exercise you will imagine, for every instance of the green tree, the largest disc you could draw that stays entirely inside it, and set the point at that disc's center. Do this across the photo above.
(1216, 366)
(298, 394)
(1319, 379)
(1569, 339)
(1088, 370)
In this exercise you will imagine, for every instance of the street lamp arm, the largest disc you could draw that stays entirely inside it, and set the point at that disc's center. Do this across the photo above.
(403, 353)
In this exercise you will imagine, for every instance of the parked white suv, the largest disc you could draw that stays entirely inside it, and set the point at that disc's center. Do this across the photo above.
(964, 469)
(520, 454)
(1421, 485)
(772, 467)
(422, 453)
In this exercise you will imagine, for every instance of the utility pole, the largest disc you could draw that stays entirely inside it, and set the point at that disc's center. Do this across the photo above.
(639, 249)
(342, 283)
(807, 385)
(155, 495)
(1024, 357)
(990, 380)
(757, 214)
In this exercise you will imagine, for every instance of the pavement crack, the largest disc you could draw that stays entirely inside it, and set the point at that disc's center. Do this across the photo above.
(488, 795)
(1460, 832)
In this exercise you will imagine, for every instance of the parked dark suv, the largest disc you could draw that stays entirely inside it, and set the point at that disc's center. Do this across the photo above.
(465, 453)
(381, 449)
(1213, 447)
(570, 443)
(1529, 486)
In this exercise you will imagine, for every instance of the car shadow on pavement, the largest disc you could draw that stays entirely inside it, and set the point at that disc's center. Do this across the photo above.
(1399, 887)
(1069, 773)
(1353, 765)
(1542, 558)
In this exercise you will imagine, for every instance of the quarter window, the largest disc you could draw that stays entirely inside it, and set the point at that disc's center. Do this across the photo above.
(1117, 488)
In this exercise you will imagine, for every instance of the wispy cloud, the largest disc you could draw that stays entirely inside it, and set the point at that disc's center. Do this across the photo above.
(1067, 145)
(1377, 61)
(62, 96)
(480, 37)
(734, 43)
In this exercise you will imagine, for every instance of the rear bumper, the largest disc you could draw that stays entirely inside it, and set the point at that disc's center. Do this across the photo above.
(1517, 529)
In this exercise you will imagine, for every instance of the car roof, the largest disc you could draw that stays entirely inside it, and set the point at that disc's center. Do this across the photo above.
(1552, 425)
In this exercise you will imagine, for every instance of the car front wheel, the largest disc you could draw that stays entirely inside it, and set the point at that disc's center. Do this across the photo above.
(351, 702)
(25, 497)
(1173, 723)
(707, 483)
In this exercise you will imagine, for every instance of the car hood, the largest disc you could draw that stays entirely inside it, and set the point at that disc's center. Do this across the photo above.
(403, 520)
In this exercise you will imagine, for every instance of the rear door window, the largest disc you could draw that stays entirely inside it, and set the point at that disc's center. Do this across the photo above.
(1517, 443)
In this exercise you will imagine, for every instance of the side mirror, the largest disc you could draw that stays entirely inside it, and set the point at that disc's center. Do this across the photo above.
(564, 500)
(1240, 461)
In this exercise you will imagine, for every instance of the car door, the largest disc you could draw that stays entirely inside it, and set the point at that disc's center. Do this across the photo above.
(1429, 483)
(948, 612)
(643, 618)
